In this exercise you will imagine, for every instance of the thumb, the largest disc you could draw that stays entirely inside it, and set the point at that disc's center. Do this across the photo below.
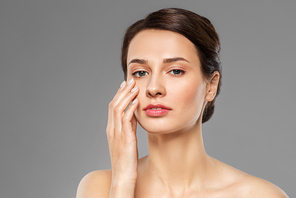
(134, 123)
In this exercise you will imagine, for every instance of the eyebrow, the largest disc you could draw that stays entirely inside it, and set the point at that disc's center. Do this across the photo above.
(140, 61)
(170, 60)
(166, 60)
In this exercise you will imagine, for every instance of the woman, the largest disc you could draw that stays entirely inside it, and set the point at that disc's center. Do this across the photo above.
(171, 65)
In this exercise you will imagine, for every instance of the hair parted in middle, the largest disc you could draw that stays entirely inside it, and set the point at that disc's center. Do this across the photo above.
(198, 29)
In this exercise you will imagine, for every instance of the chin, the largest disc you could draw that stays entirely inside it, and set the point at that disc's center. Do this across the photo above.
(156, 125)
(160, 126)
(167, 125)
(157, 130)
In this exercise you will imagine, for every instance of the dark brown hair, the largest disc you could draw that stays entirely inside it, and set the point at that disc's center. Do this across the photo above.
(198, 29)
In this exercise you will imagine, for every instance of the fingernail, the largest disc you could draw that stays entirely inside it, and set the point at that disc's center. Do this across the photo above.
(130, 81)
(122, 84)
(134, 89)
(135, 100)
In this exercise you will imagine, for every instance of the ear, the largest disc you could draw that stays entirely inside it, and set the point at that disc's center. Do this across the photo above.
(212, 86)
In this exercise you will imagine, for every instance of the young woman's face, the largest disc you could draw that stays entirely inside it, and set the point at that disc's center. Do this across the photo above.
(167, 70)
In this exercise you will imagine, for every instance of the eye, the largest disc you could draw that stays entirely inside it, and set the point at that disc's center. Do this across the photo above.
(140, 73)
(177, 72)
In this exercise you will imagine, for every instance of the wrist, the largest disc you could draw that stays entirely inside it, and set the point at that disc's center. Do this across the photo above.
(124, 178)
(122, 188)
(123, 182)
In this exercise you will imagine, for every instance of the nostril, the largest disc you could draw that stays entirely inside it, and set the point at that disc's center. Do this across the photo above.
(151, 94)
(155, 90)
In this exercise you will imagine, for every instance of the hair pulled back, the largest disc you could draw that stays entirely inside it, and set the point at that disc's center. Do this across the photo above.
(198, 29)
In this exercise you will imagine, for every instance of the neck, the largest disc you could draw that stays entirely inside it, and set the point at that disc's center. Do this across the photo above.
(179, 158)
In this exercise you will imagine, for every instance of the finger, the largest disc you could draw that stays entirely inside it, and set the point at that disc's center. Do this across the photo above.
(129, 121)
(112, 105)
(110, 124)
(121, 107)
(123, 90)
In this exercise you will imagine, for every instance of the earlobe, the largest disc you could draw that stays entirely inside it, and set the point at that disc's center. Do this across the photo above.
(212, 86)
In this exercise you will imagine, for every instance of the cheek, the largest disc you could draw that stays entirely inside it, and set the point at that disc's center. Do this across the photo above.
(190, 100)
(188, 93)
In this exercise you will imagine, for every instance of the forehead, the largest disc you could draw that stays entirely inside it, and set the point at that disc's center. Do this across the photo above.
(160, 44)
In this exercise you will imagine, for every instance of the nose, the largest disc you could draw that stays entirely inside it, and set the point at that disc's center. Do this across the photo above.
(155, 87)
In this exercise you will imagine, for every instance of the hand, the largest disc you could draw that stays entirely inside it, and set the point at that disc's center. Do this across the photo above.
(121, 133)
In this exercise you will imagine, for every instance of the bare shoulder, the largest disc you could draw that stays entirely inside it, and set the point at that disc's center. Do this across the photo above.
(95, 184)
(241, 184)
(257, 187)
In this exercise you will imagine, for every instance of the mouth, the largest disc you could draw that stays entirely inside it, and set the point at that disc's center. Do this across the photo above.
(156, 110)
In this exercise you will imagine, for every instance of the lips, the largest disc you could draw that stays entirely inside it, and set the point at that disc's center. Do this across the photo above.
(156, 110)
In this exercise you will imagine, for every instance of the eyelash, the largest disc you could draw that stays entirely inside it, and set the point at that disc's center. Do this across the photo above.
(179, 70)
(137, 73)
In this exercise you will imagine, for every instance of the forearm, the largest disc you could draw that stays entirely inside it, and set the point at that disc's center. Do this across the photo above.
(122, 189)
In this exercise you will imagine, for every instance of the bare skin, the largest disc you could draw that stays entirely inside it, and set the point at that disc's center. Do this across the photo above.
(165, 69)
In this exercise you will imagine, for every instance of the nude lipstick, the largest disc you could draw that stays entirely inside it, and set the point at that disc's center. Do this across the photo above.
(156, 110)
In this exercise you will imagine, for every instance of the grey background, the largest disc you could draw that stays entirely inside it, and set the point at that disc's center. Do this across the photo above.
(60, 67)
